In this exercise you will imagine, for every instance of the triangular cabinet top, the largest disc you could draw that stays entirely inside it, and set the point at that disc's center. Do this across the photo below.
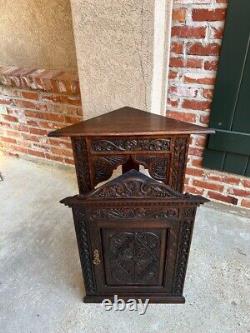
(133, 185)
(129, 121)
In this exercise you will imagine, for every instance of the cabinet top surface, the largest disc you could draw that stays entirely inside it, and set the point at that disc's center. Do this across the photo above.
(129, 121)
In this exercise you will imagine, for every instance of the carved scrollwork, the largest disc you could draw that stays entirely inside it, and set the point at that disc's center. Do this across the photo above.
(124, 144)
(157, 165)
(178, 164)
(81, 164)
(125, 213)
(134, 185)
(84, 251)
(104, 166)
(189, 212)
(185, 240)
(134, 257)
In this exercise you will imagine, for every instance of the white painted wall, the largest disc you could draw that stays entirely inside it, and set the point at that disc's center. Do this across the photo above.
(122, 52)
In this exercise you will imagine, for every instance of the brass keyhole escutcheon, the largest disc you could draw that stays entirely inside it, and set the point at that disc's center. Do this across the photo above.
(96, 260)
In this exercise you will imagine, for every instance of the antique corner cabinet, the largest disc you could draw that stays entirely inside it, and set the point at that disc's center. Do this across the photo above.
(134, 235)
(133, 232)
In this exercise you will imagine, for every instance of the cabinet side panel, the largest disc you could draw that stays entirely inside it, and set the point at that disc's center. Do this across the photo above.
(83, 241)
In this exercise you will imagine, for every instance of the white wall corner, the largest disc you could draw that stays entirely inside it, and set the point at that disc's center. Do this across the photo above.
(161, 55)
(122, 53)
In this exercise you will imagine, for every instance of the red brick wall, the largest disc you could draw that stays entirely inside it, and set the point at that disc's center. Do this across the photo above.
(197, 32)
(32, 103)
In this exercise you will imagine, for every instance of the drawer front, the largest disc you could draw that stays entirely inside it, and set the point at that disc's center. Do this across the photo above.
(134, 256)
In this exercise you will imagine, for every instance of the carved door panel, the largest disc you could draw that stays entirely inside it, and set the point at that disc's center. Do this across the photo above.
(133, 256)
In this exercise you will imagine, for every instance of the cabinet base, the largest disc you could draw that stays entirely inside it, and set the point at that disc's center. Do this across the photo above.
(152, 298)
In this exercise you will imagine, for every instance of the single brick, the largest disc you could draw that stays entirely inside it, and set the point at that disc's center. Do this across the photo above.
(207, 185)
(189, 32)
(176, 62)
(217, 14)
(199, 79)
(38, 131)
(223, 198)
(231, 180)
(193, 190)
(197, 162)
(8, 140)
(184, 116)
(203, 49)
(196, 105)
(30, 95)
(239, 192)
(9, 118)
(194, 63)
(36, 153)
(195, 172)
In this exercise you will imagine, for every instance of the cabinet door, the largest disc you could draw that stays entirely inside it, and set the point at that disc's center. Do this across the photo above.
(134, 256)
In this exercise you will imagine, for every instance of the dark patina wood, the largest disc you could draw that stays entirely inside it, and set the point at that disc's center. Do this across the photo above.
(129, 121)
(130, 137)
(134, 235)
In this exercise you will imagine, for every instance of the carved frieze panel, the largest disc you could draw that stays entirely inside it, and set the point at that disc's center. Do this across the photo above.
(125, 144)
(126, 213)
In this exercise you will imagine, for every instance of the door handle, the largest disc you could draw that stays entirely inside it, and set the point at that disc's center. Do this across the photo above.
(96, 256)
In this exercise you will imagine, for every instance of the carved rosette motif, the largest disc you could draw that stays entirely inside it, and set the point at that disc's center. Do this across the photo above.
(81, 164)
(84, 252)
(124, 144)
(104, 166)
(185, 240)
(178, 164)
(134, 257)
(125, 213)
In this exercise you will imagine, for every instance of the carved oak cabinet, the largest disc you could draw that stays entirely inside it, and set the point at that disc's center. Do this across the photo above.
(130, 137)
(134, 235)
(134, 232)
